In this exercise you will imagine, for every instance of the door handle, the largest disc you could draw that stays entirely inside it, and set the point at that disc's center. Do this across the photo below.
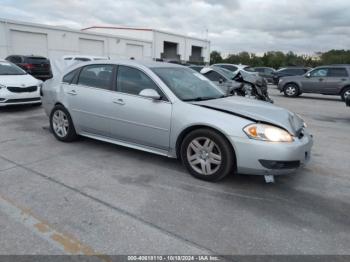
(119, 102)
(72, 92)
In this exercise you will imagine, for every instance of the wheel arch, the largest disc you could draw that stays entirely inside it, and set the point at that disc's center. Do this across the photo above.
(343, 88)
(291, 82)
(189, 129)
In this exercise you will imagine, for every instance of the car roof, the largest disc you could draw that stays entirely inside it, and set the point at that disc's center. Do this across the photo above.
(236, 65)
(30, 56)
(136, 63)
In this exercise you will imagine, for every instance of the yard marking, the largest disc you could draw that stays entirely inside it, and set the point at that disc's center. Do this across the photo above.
(64, 242)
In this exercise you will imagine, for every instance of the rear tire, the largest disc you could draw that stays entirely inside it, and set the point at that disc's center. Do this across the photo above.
(291, 90)
(345, 93)
(62, 125)
(207, 155)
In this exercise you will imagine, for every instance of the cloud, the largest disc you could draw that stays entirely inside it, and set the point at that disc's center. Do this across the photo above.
(233, 25)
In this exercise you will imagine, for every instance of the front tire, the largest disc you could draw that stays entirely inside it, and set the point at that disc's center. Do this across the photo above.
(62, 125)
(207, 155)
(291, 90)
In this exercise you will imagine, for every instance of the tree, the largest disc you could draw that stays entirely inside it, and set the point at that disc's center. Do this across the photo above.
(215, 57)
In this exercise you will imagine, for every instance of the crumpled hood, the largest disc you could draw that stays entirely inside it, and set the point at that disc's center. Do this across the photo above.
(257, 111)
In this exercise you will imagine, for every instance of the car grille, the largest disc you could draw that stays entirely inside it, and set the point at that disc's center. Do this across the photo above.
(14, 89)
(23, 100)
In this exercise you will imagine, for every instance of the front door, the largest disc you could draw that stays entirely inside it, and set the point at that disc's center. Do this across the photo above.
(140, 120)
(315, 81)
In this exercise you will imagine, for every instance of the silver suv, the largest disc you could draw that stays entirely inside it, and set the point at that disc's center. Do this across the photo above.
(326, 80)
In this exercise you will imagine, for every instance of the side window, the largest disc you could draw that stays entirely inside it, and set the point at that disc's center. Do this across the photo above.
(300, 71)
(68, 78)
(214, 76)
(99, 76)
(133, 81)
(320, 72)
(337, 72)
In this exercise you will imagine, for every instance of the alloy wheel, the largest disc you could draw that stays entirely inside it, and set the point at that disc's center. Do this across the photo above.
(204, 156)
(60, 123)
(291, 90)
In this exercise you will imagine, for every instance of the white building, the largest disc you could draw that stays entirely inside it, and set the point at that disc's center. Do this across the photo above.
(23, 38)
(165, 45)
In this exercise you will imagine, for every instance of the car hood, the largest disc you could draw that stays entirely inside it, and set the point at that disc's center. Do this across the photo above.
(18, 80)
(256, 111)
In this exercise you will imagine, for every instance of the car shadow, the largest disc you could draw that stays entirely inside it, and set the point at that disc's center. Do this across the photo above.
(18, 108)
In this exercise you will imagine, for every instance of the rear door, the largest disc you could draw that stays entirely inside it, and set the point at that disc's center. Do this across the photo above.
(90, 99)
(337, 77)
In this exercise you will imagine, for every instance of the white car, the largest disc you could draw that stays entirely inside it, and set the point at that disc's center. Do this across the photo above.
(84, 58)
(17, 87)
(237, 68)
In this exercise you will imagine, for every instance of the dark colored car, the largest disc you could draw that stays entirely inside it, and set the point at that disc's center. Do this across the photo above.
(266, 72)
(37, 66)
(288, 71)
(326, 80)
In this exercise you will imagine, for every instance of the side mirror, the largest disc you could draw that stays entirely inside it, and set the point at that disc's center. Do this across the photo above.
(150, 93)
(308, 75)
(221, 80)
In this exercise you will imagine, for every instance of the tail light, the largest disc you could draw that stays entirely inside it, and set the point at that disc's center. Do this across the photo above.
(28, 66)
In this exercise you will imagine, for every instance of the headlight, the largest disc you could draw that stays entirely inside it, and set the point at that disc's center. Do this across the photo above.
(267, 133)
(2, 86)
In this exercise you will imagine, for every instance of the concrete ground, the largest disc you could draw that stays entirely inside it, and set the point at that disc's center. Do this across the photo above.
(90, 197)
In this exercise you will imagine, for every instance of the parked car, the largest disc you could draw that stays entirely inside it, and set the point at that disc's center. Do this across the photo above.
(221, 77)
(170, 110)
(326, 80)
(289, 71)
(37, 66)
(236, 68)
(17, 87)
(266, 72)
(241, 84)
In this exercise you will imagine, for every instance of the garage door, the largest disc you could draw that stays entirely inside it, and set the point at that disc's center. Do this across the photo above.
(170, 51)
(135, 51)
(28, 43)
(91, 47)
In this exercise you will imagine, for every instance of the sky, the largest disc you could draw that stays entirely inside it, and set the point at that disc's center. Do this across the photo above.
(301, 26)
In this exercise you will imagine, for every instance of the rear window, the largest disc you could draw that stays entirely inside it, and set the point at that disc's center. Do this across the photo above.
(82, 59)
(36, 60)
(338, 72)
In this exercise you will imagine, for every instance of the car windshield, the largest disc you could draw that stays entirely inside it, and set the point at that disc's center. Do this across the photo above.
(7, 68)
(188, 85)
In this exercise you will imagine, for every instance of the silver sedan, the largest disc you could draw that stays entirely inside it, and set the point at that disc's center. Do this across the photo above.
(174, 111)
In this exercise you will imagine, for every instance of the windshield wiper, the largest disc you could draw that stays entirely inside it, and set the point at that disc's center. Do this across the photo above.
(202, 98)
